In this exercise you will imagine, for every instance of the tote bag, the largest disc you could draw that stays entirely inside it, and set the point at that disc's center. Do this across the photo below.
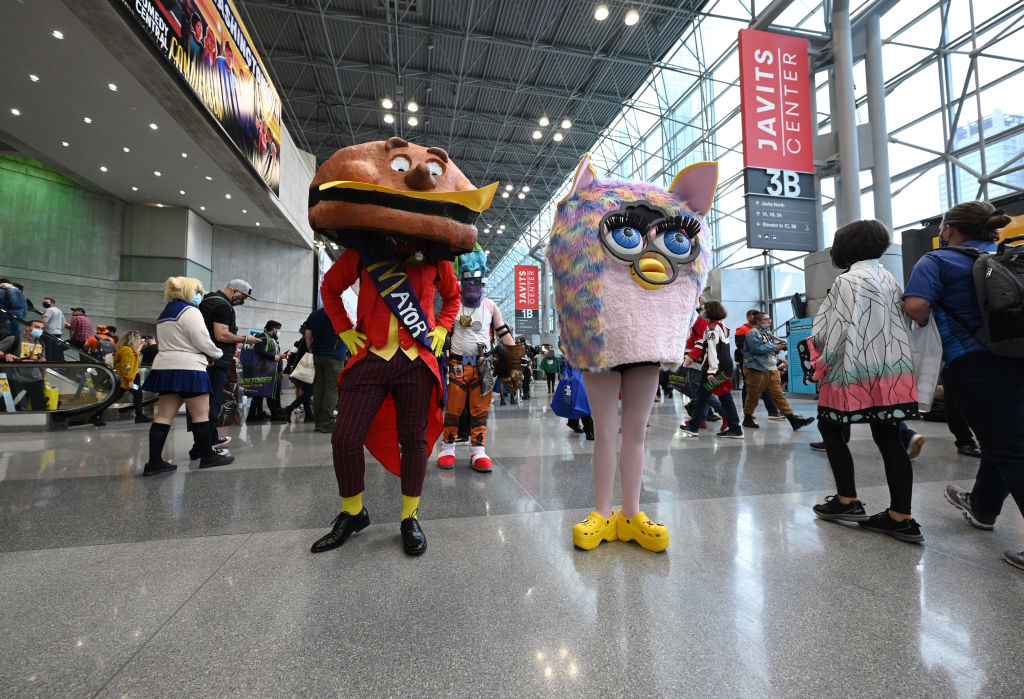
(570, 399)
(305, 371)
(926, 351)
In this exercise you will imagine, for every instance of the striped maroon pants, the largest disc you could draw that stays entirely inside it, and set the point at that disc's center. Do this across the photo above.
(362, 390)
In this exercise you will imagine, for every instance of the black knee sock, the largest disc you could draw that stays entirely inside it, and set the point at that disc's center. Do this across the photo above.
(157, 438)
(203, 440)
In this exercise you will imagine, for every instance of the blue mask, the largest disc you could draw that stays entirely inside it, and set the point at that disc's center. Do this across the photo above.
(943, 242)
(35, 332)
(197, 299)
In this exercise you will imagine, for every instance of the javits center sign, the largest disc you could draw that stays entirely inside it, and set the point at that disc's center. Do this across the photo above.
(527, 289)
(206, 44)
(778, 141)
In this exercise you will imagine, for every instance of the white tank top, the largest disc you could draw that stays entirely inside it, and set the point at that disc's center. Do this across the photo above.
(464, 340)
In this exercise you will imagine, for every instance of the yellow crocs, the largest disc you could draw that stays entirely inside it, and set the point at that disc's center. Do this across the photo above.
(593, 530)
(651, 535)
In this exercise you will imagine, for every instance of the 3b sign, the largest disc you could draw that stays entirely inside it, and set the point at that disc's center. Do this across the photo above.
(783, 183)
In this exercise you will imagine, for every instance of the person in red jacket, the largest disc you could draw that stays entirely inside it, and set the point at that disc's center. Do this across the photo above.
(401, 211)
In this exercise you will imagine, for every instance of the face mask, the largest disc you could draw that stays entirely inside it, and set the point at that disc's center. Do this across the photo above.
(197, 299)
(46, 304)
(237, 299)
(765, 326)
(35, 332)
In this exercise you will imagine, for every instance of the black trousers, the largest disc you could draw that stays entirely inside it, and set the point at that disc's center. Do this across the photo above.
(898, 471)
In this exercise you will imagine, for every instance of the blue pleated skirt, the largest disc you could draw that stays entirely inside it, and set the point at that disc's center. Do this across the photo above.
(177, 381)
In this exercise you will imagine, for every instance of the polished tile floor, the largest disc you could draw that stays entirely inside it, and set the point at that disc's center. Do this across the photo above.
(201, 583)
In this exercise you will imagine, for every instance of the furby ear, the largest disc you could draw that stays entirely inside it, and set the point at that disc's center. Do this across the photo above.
(696, 185)
(585, 176)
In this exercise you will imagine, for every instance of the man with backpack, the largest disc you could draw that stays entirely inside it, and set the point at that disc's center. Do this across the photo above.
(12, 300)
(101, 344)
(973, 288)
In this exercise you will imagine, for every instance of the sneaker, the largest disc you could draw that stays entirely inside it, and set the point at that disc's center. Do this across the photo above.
(222, 441)
(193, 453)
(907, 530)
(1014, 558)
(730, 434)
(98, 421)
(159, 467)
(835, 509)
(687, 431)
(589, 533)
(915, 446)
(748, 421)
(797, 421)
(817, 446)
(776, 416)
(216, 460)
(969, 450)
(961, 500)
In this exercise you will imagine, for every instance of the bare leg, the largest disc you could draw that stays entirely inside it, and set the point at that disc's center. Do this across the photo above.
(603, 394)
(639, 386)
(167, 407)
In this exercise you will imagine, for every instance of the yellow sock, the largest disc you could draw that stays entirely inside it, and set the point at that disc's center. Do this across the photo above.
(409, 507)
(352, 505)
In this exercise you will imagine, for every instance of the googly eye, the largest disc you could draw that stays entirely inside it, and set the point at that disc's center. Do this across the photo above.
(435, 168)
(623, 242)
(400, 164)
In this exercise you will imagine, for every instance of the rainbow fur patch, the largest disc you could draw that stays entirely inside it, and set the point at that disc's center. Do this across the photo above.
(606, 318)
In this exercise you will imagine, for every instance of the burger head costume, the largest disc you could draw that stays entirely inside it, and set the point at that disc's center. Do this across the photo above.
(403, 212)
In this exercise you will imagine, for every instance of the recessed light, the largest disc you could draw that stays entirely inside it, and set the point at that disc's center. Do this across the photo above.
(65, 144)
(156, 172)
(33, 78)
(413, 121)
(202, 208)
(227, 196)
(544, 121)
(412, 107)
(181, 192)
(387, 103)
(526, 188)
(601, 13)
(566, 124)
(15, 111)
(160, 206)
(521, 195)
(154, 127)
(504, 195)
(245, 211)
(135, 189)
(87, 120)
(509, 188)
(487, 252)
(257, 223)
(209, 179)
(537, 134)
(389, 118)
(57, 34)
(103, 168)
(184, 155)
(557, 136)
(126, 149)
(112, 87)
(632, 17)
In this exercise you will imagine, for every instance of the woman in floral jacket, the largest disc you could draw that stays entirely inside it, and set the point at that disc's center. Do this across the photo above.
(859, 352)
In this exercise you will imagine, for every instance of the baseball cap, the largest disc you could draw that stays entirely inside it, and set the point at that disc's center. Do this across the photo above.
(148, 337)
(78, 308)
(101, 328)
(242, 286)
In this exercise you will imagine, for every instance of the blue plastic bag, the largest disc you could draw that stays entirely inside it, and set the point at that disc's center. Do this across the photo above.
(570, 399)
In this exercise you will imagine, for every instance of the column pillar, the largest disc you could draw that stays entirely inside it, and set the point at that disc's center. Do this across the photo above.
(845, 113)
(880, 188)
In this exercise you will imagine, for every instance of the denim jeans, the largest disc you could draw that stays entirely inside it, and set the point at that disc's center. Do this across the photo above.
(727, 405)
(218, 378)
(989, 392)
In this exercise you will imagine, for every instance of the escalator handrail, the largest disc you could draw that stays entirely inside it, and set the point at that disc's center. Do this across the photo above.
(85, 356)
(69, 412)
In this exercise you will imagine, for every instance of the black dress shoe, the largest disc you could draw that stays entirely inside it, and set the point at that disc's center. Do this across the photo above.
(970, 450)
(345, 525)
(414, 541)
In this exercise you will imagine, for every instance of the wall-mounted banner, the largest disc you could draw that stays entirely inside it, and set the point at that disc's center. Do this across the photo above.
(207, 45)
(527, 302)
(778, 141)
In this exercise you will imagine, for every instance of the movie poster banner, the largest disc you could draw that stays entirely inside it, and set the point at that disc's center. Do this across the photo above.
(207, 45)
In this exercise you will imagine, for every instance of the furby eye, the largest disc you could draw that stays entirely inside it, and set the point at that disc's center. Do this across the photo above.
(677, 242)
(676, 245)
(400, 164)
(435, 168)
(623, 242)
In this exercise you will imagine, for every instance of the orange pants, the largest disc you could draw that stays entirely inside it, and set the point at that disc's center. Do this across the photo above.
(459, 387)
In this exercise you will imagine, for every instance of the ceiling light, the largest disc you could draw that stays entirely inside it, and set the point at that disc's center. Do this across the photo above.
(181, 192)
(509, 188)
(227, 196)
(156, 172)
(389, 118)
(526, 188)
(566, 124)
(135, 189)
(487, 230)
(57, 34)
(413, 121)
(387, 103)
(557, 136)
(112, 87)
(521, 195)
(632, 17)
(504, 195)
(487, 252)
(154, 127)
(65, 144)
(412, 107)
(103, 168)
(184, 155)
(245, 211)
(501, 227)
(33, 78)
(87, 120)
(126, 149)
(537, 134)
(209, 179)
(15, 111)
(202, 208)
(257, 223)
(601, 13)
(543, 121)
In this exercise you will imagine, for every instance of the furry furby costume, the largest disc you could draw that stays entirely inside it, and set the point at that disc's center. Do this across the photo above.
(470, 364)
(628, 261)
(402, 211)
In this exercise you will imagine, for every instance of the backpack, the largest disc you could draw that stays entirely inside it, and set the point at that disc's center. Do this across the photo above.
(104, 346)
(999, 285)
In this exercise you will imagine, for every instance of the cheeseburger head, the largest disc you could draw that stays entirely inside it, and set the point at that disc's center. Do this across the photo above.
(379, 190)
